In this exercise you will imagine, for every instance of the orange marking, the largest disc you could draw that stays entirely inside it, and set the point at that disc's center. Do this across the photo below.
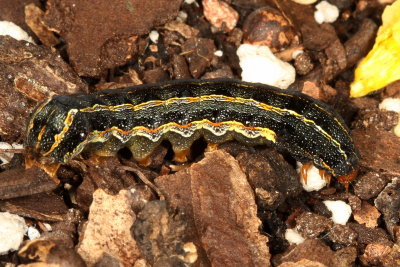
(304, 169)
(39, 138)
(215, 124)
(347, 179)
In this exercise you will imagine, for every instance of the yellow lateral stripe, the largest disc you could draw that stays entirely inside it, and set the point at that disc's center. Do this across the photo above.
(38, 110)
(338, 122)
(59, 137)
(170, 101)
(99, 136)
(174, 100)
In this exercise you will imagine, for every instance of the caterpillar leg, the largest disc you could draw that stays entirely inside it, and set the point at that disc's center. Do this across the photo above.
(141, 148)
(110, 149)
(211, 146)
(181, 155)
(144, 162)
(345, 180)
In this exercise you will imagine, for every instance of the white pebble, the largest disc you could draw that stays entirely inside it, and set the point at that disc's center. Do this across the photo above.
(218, 53)
(154, 35)
(13, 30)
(48, 227)
(297, 53)
(314, 180)
(396, 129)
(189, 2)
(182, 16)
(260, 65)
(326, 12)
(17, 146)
(305, 2)
(293, 237)
(341, 211)
(12, 230)
(33, 233)
(392, 104)
(6, 157)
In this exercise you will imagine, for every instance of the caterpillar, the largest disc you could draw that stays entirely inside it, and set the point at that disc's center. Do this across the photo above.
(181, 111)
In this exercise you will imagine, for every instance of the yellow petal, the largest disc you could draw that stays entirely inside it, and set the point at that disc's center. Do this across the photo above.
(382, 64)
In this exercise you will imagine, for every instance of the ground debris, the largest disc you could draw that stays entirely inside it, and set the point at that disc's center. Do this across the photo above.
(50, 253)
(107, 231)
(29, 73)
(220, 206)
(161, 233)
(388, 202)
(107, 42)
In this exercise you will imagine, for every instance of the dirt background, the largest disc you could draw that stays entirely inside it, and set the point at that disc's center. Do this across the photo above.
(231, 206)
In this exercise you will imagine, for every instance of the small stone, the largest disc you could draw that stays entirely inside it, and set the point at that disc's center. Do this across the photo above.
(326, 12)
(311, 225)
(107, 42)
(312, 250)
(370, 235)
(33, 233)
(13, 30)
(374, 253)
(160, 233)
(384, 259)
(388, 202)
(305, 2)
(303, 63)
(12, 230)
(182, 28)
(343, 235)
(340, 211)
(154, 35)
(220, 14)
(267, 26)
(315, 181)
(221, 210)
(312, 88)
(370, 185)
(256, 60)
(354, 202)
(367, 215)
(379, 142)
(293, 236)
(302, 263)
(108, 229)
(198, 53)
(46, 252)
(345, 257)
